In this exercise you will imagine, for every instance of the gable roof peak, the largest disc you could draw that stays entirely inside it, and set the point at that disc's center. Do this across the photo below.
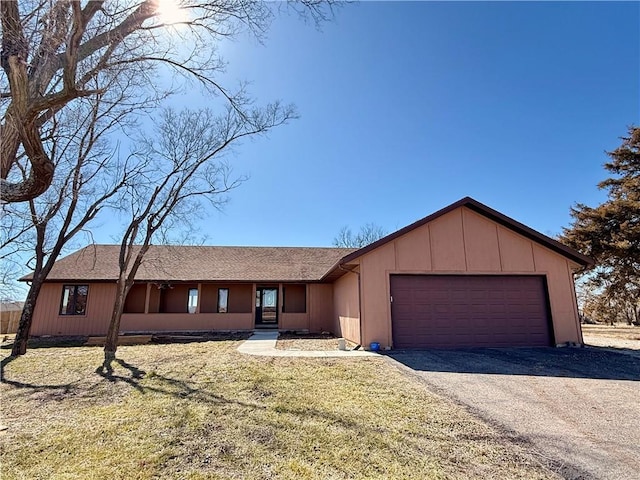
(489, 213)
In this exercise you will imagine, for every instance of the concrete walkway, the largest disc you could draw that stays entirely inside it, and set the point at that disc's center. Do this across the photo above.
(263, 343)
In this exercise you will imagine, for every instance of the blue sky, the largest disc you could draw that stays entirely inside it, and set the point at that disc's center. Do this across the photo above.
(408, 107)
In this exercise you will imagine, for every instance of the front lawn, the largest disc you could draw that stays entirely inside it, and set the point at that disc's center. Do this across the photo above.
(202, 410)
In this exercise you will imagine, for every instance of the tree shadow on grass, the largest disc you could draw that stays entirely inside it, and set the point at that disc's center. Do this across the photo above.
(3, 364)
(79, 388)
(170, 386)
(61, 389)
(182, 389)
(106, 371)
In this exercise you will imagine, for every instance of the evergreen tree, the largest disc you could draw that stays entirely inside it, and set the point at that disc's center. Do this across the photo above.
(610, 233)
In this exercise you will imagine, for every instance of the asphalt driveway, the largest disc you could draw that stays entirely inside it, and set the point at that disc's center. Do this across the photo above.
(577, 409)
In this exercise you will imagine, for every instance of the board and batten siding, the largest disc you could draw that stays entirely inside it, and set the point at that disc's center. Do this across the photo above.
(320, 301)
(317, 315)
(48, 321)
(462, 242)
(346, 307)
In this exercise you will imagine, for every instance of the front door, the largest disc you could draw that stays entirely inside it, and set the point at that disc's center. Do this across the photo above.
(267, 306)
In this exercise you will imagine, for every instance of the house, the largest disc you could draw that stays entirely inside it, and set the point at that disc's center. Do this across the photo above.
(464, 276)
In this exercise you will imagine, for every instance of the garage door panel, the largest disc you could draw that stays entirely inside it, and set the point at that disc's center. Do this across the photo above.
(469, 310)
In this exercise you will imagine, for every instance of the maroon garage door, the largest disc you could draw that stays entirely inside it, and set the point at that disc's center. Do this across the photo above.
(469, 311)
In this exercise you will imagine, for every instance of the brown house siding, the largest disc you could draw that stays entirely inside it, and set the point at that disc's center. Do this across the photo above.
(47, 321)
(462, 241)
(136, 300)
(294, 298)
(293, 321)
(135, 322)
(175, 298)
(320, 307)
(154, 299)
(346, 309)
(240, 297)
(316, 317)
(564, 308)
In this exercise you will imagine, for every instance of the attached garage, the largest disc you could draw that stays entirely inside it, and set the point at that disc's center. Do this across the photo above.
(464, 276)
(469, 311)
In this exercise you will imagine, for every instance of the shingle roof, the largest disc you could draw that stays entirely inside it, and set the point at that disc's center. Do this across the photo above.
(198, 263)
(263, 264)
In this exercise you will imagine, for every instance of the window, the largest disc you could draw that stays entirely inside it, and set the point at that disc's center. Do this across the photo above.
(74, 300)
(223, 300)
(193, 300)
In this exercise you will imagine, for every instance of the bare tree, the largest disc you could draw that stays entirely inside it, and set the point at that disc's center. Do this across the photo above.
(9, 271)
(180, 167)
(57, 51)
(88, 174)
(367, 234)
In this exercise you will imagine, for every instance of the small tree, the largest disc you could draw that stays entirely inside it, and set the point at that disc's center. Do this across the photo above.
(610, 233)
(87, 177)
(367, 234)
(180, 167)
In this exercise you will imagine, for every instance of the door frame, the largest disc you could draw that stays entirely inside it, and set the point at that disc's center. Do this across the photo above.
(259, 314)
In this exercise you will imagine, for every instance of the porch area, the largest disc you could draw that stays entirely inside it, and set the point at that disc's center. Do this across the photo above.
(206, 306)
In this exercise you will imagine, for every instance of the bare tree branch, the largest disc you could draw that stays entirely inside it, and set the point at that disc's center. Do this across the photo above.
(179, 167)
(53, 50)
(367, 234)
(88, 177)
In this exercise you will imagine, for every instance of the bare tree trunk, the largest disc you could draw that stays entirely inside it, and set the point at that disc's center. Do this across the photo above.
(111, 342)
(24, 327)
(9, 143)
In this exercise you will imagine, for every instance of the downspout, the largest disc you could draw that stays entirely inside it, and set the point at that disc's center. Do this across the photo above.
(575, 298)
(341, 267)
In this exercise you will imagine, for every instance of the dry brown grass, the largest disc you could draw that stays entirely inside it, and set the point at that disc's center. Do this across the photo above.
(623, 332)
(204, 411)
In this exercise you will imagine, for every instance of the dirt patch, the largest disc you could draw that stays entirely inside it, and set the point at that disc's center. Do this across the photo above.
(310, 342)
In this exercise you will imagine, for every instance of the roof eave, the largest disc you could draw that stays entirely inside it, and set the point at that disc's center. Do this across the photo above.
(165, 280)
(489, 213)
